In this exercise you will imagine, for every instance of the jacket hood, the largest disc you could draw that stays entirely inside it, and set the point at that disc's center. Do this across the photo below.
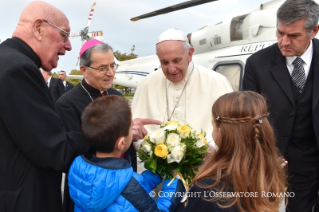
(95, 183)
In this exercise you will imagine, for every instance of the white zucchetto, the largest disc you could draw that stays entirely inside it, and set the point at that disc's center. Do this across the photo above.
(172, 34)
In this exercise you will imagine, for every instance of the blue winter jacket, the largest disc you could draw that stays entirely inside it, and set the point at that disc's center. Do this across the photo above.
(109, 184)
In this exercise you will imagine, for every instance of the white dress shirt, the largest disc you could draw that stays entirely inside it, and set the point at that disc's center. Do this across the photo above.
(306, 57)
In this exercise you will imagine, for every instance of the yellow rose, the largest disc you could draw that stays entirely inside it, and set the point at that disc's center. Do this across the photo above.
(202, 137)
(161, 150)
(184, 129)
(171, 122)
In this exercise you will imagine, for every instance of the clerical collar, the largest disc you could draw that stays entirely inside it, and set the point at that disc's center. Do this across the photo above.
(94, 92)
(24, 48)
(101, 92)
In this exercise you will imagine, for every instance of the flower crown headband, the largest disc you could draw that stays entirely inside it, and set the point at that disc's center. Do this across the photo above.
(257, 120)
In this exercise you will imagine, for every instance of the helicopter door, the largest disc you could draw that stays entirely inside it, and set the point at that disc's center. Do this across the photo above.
(233, 71)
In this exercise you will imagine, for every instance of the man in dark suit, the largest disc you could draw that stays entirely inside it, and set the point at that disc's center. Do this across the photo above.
(67, 85)
(34, 146)
(55, 85)
(287, 74)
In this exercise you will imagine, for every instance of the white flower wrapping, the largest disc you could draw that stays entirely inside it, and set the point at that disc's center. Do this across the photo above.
(158, 136)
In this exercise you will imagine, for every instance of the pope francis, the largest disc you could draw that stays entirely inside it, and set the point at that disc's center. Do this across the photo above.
(180, 90)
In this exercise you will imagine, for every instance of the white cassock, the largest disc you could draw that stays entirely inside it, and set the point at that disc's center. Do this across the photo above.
(195, 105)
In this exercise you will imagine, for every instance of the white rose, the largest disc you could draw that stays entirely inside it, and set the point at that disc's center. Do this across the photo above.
(170, 158)
(173, 139)
(158, 136)
(146, 147)
(200, 142)
(178, 152)
(170, 127)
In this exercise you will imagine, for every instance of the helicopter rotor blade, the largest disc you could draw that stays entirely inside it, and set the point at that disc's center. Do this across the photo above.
(91, 14)
(95, 34)
(173, 8)
(75, 34)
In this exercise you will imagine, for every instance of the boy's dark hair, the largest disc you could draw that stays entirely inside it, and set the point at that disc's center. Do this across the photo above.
(105, 120)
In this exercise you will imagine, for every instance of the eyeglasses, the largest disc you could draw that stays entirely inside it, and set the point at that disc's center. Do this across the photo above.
(65, 33)
(104, 69)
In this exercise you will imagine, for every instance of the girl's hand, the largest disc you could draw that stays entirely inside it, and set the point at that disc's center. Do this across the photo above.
(282, 161)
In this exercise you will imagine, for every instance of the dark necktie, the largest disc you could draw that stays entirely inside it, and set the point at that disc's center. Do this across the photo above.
(298, 74)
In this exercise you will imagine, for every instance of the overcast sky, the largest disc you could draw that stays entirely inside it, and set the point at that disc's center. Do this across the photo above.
(113, 18)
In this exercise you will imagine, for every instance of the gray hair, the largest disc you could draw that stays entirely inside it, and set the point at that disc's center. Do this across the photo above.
(293, 10)
(86, 59)
(186, 46)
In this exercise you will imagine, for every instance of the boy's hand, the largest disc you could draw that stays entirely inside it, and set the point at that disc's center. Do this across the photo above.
(138, 129)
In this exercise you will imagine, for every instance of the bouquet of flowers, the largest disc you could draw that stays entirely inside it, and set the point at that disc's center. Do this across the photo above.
(175, 147)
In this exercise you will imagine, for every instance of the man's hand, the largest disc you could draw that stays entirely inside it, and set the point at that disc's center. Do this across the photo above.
(138, 130)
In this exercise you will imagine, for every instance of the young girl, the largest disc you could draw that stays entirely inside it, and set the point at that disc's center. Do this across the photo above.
(244, 174)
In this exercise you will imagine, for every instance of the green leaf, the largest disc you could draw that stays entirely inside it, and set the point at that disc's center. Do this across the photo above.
(178, 168)
(148, 163)
(185, 161)
(160, 167)
(153, 166)
(169, 175)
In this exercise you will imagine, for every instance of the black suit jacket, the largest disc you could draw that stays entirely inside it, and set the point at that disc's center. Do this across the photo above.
(266, 73)
(68, 86)
(34, 146)
(56, 88)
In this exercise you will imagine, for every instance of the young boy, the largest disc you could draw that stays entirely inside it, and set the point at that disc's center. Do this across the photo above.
(106, 182)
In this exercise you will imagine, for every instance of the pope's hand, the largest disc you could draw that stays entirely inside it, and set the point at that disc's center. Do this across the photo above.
(138, 129)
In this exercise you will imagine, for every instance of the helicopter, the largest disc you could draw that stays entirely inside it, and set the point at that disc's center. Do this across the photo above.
(85, 34)
(223, 48)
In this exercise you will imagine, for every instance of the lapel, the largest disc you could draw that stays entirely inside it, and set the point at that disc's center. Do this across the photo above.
(281, 74)
(315, 63)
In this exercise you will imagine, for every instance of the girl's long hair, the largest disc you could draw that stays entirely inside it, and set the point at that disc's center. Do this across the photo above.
(247, 159)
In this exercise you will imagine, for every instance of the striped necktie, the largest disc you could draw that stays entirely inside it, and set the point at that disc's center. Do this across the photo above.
(298, 74)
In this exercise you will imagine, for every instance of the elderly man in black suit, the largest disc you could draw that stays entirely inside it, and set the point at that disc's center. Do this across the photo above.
(67, 85)
(55, 85)
(34, 146)
(287, 74)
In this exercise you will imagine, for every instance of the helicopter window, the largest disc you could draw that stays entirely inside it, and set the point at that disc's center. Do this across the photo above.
(239, 28)
(232, 72)
(217, 40)
(202, 41)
